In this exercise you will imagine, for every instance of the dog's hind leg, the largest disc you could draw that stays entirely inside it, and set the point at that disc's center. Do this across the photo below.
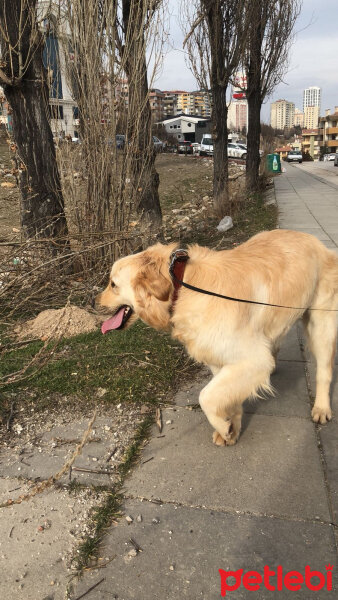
(221, 400)
(321, 329)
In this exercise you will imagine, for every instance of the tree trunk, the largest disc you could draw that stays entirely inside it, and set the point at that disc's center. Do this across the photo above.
(253, 140)
(42, 206)
(254, 94)
(220, 139)
(218, 79)
(144, 177)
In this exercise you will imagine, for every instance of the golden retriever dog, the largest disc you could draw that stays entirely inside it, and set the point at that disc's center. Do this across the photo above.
(238, 341)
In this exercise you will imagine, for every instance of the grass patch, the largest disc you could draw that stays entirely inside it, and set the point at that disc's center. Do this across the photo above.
(138, 365)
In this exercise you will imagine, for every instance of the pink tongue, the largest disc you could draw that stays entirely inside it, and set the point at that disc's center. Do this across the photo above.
(114, 322)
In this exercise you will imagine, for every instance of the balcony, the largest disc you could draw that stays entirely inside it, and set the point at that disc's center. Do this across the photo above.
(331, 130)
(332, 143)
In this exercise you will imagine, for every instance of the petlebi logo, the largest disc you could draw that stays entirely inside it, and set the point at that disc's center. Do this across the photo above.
(276, 579)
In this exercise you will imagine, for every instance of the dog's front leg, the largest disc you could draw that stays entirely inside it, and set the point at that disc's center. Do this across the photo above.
(221, 400)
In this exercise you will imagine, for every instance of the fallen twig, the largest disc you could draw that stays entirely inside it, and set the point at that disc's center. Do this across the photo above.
(148, 460)
(159, 419)
(111, 454)
(40, 487)
(97, 471)
(135, 544)
(90, 589)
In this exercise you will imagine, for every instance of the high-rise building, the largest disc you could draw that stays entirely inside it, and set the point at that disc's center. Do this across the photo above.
(298, 118)
(238, 107)
(311, 117)
(311, 97)
(237, 115)
(282, 114)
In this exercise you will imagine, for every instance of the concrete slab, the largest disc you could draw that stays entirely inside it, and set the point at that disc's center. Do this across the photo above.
(274, 469)
(94, 466)
(182, 553)
(291, 395)
(290, 349)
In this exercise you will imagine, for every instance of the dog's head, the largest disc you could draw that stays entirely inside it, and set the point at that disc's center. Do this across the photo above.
(139, 287)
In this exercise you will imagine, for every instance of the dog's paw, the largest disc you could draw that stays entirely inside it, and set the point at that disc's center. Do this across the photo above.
(230, 440)
(217, 439)
(321, 415)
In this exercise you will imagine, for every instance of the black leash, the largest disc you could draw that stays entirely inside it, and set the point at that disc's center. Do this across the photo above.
(182, 256)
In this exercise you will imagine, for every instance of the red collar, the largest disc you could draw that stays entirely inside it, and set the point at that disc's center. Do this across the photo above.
(178, 261)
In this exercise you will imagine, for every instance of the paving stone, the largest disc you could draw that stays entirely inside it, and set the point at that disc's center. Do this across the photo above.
(291, 395)
(274, 468)
(181, 555)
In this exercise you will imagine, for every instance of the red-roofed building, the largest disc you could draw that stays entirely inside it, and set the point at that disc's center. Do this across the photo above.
(282, 151)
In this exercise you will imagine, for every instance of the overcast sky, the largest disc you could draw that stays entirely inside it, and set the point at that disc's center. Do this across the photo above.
(313, 59)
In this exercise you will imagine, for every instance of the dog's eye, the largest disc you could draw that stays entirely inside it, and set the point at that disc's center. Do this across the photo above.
(112, 284)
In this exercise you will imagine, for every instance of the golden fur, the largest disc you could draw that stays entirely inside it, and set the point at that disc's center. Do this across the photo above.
(238, 342)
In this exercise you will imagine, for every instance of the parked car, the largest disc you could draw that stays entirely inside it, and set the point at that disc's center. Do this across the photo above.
(184, 147)
(294, 156)
(159, 146)
(336, 160)
(207, 145)
(243, 146)
(329, 156)
(235, 151)
(196, 147)
(120, 141)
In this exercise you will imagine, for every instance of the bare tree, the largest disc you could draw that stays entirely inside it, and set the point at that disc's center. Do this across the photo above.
(266, 59)
(25, 84)
(137, 16)
(215, 44)
(108, 42)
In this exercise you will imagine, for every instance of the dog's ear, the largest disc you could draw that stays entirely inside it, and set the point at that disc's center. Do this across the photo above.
(150, 282)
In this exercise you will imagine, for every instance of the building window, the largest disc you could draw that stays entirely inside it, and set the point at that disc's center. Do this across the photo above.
(56, 111)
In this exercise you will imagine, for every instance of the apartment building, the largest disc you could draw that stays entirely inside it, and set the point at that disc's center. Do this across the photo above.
(298, 118)
(193, 103)
(156, 99)
(329, 131)
(311, 142)
(238, 115)
(312, 97)
(282, 114)
(170, 104)
(311, 117)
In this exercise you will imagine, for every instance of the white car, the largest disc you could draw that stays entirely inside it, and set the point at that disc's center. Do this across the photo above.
(207, 145)
(235, 151)
(159, 146)
(330, 156)
(243, 146)
(294, 156)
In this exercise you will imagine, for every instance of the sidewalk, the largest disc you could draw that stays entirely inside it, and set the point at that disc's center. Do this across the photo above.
(269, 500)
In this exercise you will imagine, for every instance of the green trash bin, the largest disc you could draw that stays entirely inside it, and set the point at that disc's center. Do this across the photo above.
(273, 163)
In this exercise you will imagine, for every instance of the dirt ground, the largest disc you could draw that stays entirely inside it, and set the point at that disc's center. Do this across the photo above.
(9, 196)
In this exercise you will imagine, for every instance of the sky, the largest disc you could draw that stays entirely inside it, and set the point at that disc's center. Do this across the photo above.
(313, 57)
